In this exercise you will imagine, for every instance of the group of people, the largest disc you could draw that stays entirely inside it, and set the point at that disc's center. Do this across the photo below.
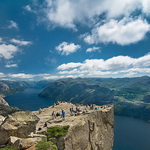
(78, 111)
(54, 115)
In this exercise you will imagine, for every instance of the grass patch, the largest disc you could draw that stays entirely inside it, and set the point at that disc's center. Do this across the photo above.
(57, 131)
(8, 147)
(44, 145)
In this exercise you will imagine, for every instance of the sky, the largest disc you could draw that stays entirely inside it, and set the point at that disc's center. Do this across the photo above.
(52, 39)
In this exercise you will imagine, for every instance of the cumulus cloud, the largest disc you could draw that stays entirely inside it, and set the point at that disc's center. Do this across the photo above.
(11, 65)
(8, 51)
(93, 49)
(2, 75)
(145, 6)
(27, 76)
(103, 15)
(20, 42)
(28, 8)
(13, 24)
(66, 13)
(115, 66)
(21, 75)
(68, 66)
(65, 49)
(124, 32)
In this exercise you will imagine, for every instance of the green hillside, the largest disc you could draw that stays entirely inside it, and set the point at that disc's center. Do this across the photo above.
(130, 96)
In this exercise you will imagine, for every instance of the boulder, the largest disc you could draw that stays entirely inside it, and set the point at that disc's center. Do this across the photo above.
(19, 124)
(44, 137)
(26, 143)
(12, 140)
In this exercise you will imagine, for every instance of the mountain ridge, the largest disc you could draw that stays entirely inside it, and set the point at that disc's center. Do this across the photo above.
(127, 94)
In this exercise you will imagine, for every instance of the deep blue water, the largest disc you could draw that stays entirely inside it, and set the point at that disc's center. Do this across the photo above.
(29, 100)
(130, 133)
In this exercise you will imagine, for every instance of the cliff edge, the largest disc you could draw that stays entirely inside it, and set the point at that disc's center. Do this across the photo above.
(93, 130)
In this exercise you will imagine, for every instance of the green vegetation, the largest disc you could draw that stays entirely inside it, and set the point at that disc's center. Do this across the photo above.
(57, 131)
(8, 147)
(44, 145)
(130, 96)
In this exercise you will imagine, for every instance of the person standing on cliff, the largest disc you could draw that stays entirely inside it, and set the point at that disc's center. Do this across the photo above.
(53, 114)
(63, 114)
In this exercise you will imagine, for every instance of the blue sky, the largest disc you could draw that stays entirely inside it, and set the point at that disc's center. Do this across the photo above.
(51, 39)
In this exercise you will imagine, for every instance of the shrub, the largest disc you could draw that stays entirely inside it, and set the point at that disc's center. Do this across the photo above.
(44, 145)
(8, 147)
(57, 131)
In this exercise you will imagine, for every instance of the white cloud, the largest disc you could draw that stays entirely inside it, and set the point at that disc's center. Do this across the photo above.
(124, 32)
(27, 76)
(93, 49)
(65, 49)
(118, 66)
(66, 13)
(8, 51)
(68, 66)
(2, 75)
(28, 8)
(13, 25)
(146, 6)
(20, 42)
(11, 65)
(69, 13)
(21, 75)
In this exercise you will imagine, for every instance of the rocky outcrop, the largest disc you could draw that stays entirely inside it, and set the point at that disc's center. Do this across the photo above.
(3, 102)
(24, 143)
(5, 109)
(93, 130)
(19, 124)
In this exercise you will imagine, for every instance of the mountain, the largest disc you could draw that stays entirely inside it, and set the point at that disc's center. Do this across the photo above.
(130, 96)
(8, 87)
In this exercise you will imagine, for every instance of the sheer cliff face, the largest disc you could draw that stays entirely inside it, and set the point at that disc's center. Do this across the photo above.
(93, 131)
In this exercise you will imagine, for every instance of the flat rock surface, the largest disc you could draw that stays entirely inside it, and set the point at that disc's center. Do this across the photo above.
(46, 115)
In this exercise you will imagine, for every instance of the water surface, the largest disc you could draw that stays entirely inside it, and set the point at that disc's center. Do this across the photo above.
(29, 100)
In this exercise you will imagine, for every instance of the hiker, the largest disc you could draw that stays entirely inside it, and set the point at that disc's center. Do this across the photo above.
(70, 108)
(53, 114)
(63, 114)
(71, 114)
(76, 109)
(45, 124)
(40, 110)
(84, 111)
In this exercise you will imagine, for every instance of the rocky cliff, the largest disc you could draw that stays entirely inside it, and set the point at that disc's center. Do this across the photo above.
(19, 124)
(93, 130)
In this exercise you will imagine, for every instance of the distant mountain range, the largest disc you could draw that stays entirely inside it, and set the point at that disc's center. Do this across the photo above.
(8, 87)
(130, 96)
